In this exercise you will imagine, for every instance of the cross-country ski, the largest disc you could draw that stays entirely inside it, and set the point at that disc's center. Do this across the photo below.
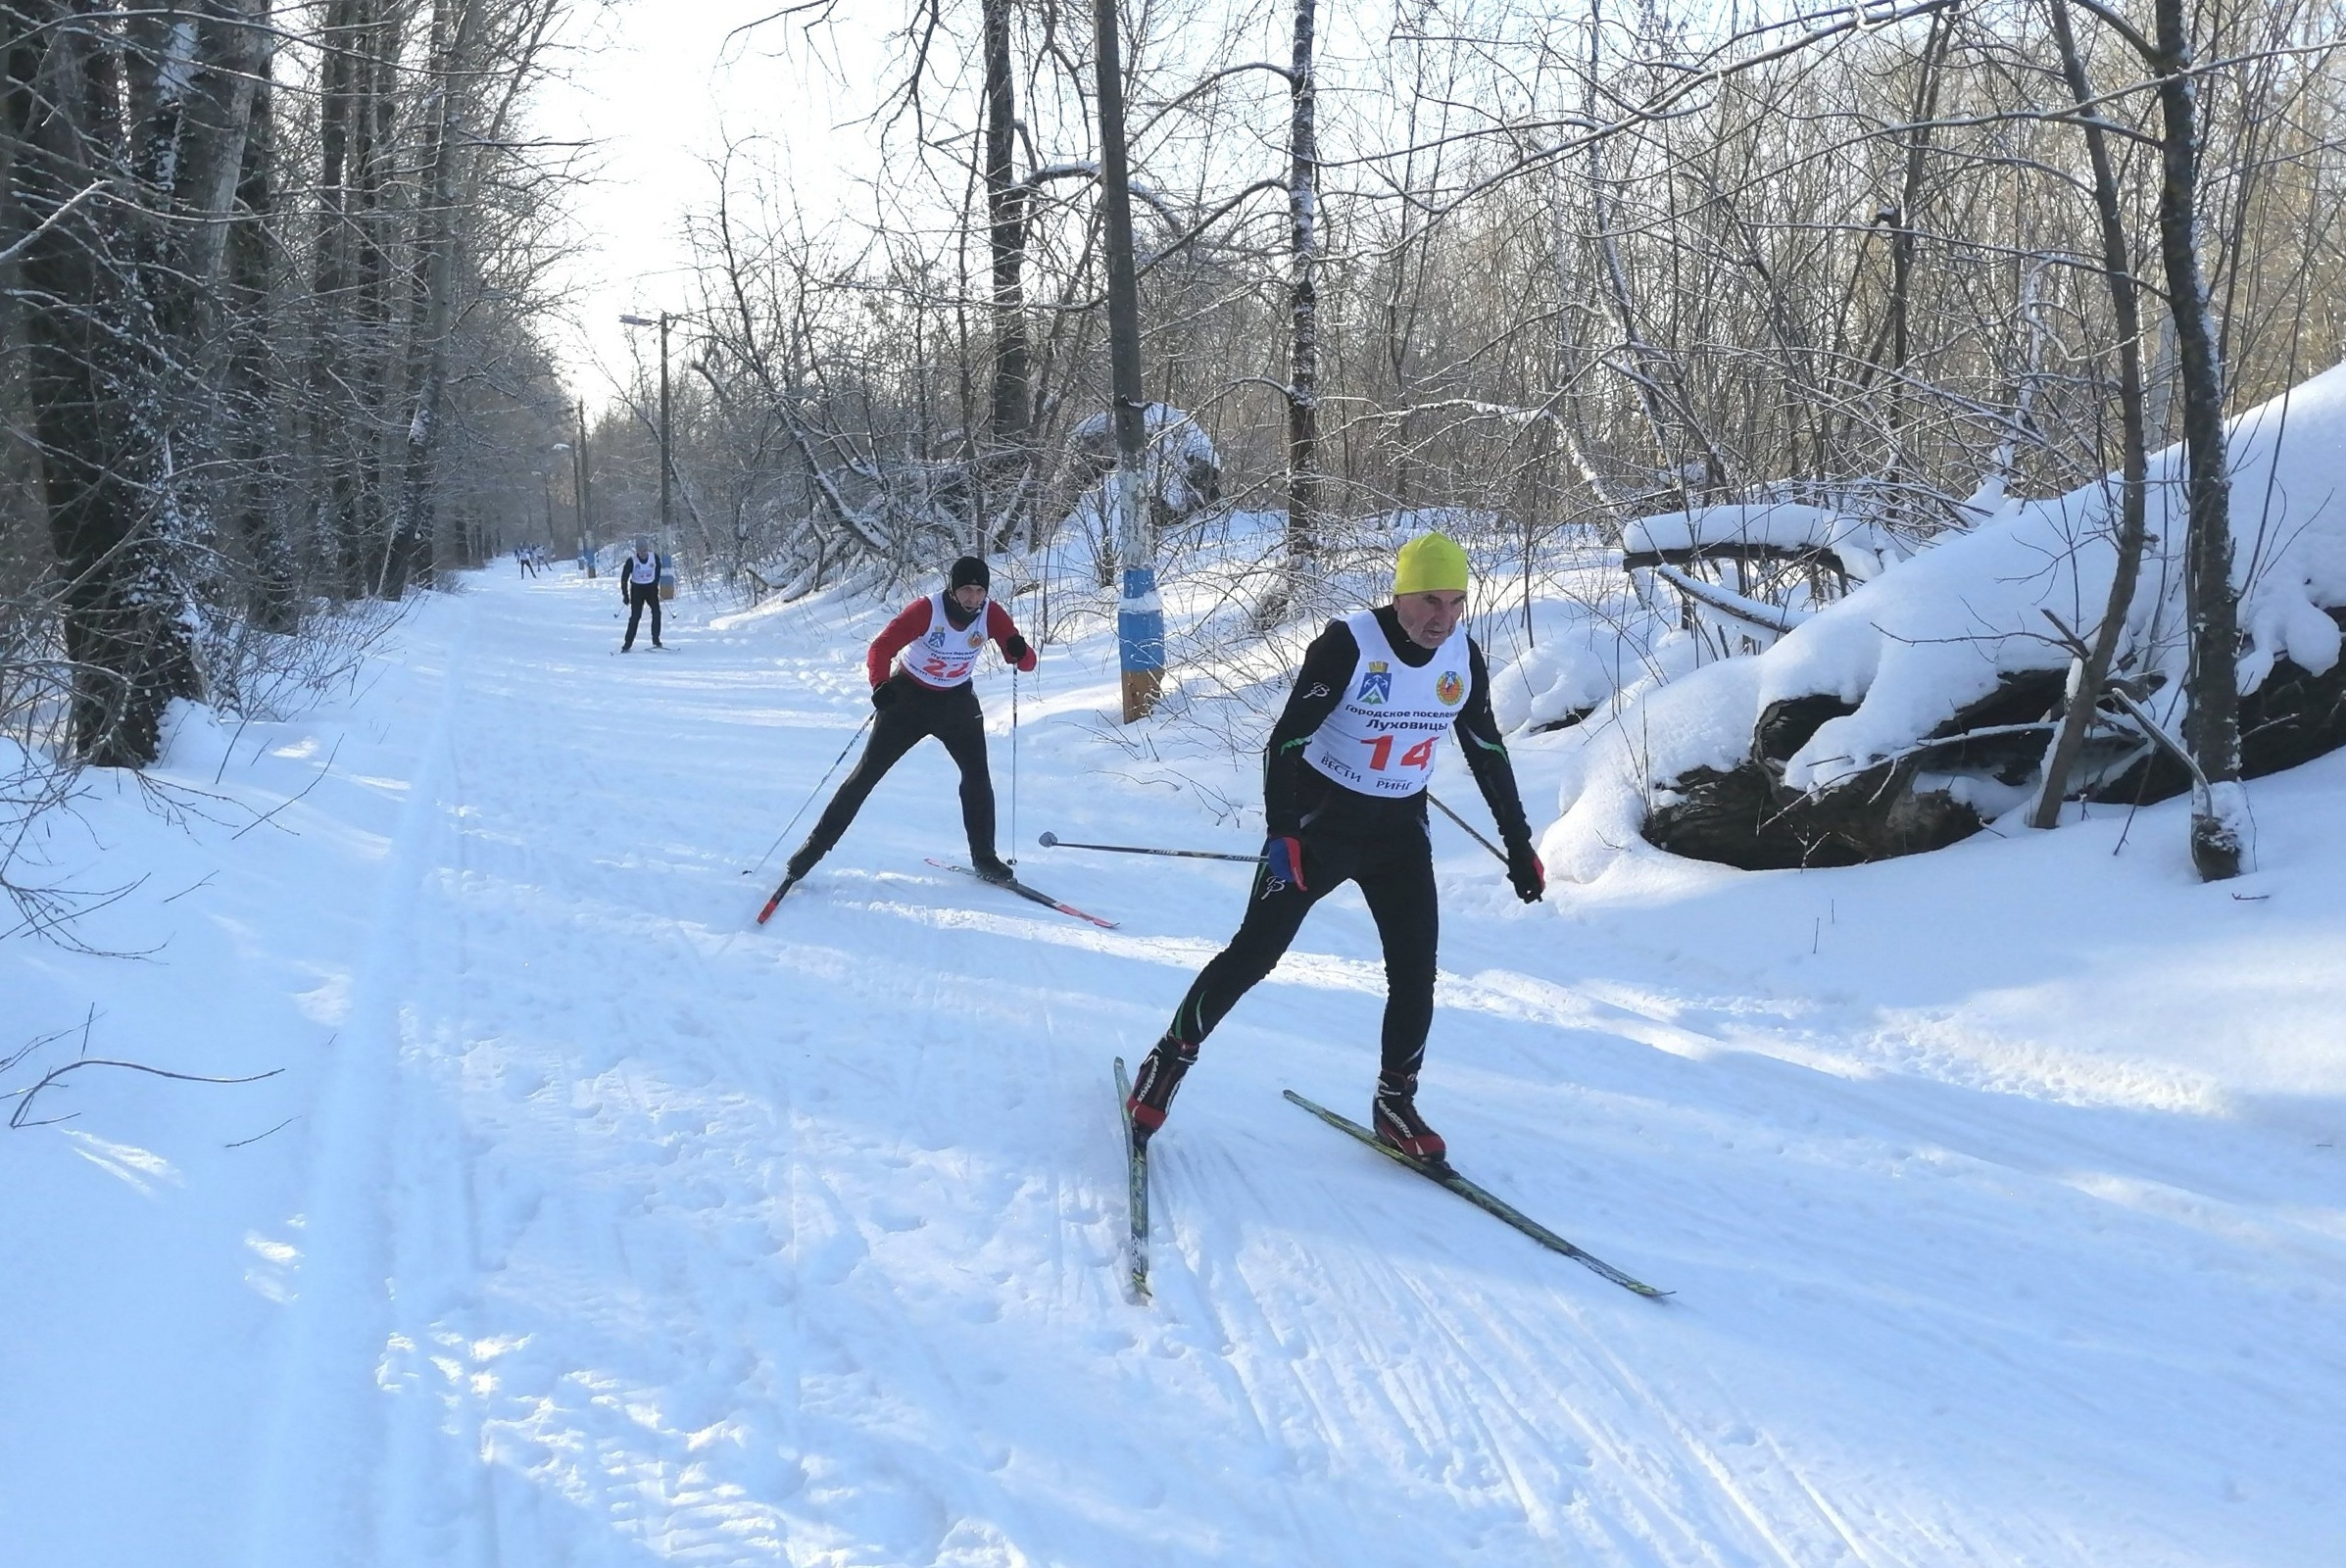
(1723, 628)
(1010, 884)
(1136, 1190)
(1442, 1174)
(774, 900)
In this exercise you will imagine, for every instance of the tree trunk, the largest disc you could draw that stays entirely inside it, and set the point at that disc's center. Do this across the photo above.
(370, 307)
(1006, 211)
(252, 284)
(92, 379)
(2126, 313)
(1140, 616)
(1897, 325)
(430, 314)
(347, 317)
(2212, 725)
(1303, 300)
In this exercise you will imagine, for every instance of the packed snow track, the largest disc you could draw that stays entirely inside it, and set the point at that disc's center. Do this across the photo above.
(612, 1229)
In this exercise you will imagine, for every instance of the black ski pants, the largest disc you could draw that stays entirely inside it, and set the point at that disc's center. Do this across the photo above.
(640, 594)
(1395, 874)
(915, 713)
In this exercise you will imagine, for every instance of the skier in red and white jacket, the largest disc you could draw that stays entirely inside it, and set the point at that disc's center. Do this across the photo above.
(933, 645)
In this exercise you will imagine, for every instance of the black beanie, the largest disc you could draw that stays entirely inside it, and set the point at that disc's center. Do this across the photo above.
(967, 571)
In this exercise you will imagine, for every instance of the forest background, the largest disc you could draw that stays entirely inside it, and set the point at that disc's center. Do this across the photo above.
(285, 289)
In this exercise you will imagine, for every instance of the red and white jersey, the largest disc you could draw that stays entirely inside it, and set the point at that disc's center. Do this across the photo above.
(944, 656)
(1383, 737)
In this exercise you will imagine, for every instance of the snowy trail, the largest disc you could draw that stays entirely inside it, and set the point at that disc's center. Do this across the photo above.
(799, 1243)
(635, 1233)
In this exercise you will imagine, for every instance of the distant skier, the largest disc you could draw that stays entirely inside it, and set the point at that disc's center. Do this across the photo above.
(1345, 777)
(639, 585)
(928, 693)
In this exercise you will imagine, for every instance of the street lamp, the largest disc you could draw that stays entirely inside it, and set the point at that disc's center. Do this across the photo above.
(661, 321)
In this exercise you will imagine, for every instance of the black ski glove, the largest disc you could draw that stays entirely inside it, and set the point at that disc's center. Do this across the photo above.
(883, 696)
(1526, 872)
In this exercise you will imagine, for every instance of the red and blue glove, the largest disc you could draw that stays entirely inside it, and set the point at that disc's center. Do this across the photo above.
(1524, 870)
(1283, 855)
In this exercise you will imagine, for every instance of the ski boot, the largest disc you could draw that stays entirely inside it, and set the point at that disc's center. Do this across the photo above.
(1393, 1115)
(990, 867)
(1152, 1088)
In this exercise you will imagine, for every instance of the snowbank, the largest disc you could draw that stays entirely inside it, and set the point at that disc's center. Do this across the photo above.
(1934, 634)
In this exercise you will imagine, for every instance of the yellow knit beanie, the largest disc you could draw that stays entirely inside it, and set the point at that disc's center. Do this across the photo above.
(1431, 563)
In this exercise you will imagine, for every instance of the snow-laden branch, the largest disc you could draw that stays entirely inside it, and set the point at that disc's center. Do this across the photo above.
(52, 221)
(1751, 612)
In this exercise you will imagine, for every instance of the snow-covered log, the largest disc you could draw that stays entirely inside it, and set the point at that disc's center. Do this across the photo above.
(1784, 530)
(1904, 716)
(1184, 471)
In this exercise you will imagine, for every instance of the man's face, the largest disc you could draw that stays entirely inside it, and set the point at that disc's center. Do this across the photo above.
(1429, 618)
(969, 596)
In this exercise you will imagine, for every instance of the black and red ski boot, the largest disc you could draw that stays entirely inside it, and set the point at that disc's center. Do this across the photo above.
(1154, 1086)
(1393, 1114)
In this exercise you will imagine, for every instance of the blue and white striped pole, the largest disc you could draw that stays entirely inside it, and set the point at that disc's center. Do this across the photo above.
(1139, 614)
(1141, 641)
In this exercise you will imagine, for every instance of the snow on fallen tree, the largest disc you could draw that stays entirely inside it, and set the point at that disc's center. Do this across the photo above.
(1905, 716)
(1183, 476)
(1782, 528)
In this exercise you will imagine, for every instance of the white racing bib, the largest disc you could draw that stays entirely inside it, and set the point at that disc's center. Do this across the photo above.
(945, 656)
(1384, 736)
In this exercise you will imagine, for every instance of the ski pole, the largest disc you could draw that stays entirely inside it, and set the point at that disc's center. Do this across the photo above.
(1499, 853)
(809, 801)
(1013, 763)
(1051, 841)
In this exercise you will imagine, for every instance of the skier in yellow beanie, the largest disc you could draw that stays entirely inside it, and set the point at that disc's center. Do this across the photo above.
(1344, 794)
(1431, 563)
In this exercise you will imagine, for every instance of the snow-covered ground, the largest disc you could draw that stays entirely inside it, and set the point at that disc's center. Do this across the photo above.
(587, 1223)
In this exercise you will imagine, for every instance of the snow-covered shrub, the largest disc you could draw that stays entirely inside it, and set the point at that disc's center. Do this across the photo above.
(1182, 481)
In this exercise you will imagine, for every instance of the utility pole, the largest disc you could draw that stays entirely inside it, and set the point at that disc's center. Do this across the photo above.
(578, 489)
(1139, 614)
(666, 462)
